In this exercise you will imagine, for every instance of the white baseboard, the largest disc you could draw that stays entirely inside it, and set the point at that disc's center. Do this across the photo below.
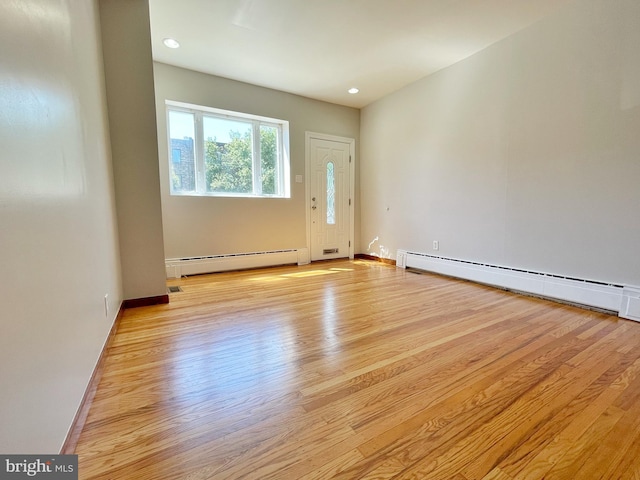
(178, 267)
(625, 300)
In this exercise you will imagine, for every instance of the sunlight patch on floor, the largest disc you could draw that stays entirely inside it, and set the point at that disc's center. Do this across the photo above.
(310, 273)
(305, 274)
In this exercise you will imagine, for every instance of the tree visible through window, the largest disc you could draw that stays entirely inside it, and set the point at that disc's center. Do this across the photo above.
(240, 155)
(268, 158)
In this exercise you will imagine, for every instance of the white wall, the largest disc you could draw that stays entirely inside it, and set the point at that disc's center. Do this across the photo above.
(126, 41)
(195, 226)
(526, 154)
(58, 235)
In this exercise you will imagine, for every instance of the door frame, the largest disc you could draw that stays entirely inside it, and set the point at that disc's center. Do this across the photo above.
(352, 184)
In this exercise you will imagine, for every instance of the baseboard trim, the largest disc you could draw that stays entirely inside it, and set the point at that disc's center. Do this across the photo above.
(146, 301)
(588, 293)
(71, 442)
(182, 267)
(364, 256)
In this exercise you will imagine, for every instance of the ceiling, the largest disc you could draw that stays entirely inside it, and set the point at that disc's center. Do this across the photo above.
(321, 48)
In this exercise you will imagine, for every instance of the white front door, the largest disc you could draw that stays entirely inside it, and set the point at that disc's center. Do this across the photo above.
(330, 203)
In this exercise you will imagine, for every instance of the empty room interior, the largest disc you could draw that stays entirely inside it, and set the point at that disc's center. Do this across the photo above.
(288, 239)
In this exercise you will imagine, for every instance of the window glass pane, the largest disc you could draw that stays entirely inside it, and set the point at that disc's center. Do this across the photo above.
(268, 159)
(217, 152)
(331, 195)
(182, 165)
(228, 156)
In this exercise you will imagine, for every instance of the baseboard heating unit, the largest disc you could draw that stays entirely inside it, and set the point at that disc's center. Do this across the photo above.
(622, 299)
(179, 267)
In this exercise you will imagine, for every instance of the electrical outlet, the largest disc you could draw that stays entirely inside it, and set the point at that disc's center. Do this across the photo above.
(436, 245)
(106, 305)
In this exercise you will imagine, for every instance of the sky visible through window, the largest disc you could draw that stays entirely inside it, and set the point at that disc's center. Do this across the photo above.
(182, 126)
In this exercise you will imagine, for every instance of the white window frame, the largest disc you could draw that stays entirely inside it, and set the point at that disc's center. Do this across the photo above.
(282, 181)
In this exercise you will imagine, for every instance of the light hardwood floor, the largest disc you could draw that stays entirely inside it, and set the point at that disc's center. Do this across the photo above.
(359, 370)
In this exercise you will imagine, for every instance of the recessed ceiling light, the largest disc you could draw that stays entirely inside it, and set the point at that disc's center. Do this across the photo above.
(353, 90)
(171, 42)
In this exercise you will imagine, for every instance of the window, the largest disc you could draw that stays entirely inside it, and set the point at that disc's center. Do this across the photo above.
(331, 195)
(176, 155)
(217, 152)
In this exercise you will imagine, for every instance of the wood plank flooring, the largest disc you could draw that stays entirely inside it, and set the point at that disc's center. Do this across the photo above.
(358, 370)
